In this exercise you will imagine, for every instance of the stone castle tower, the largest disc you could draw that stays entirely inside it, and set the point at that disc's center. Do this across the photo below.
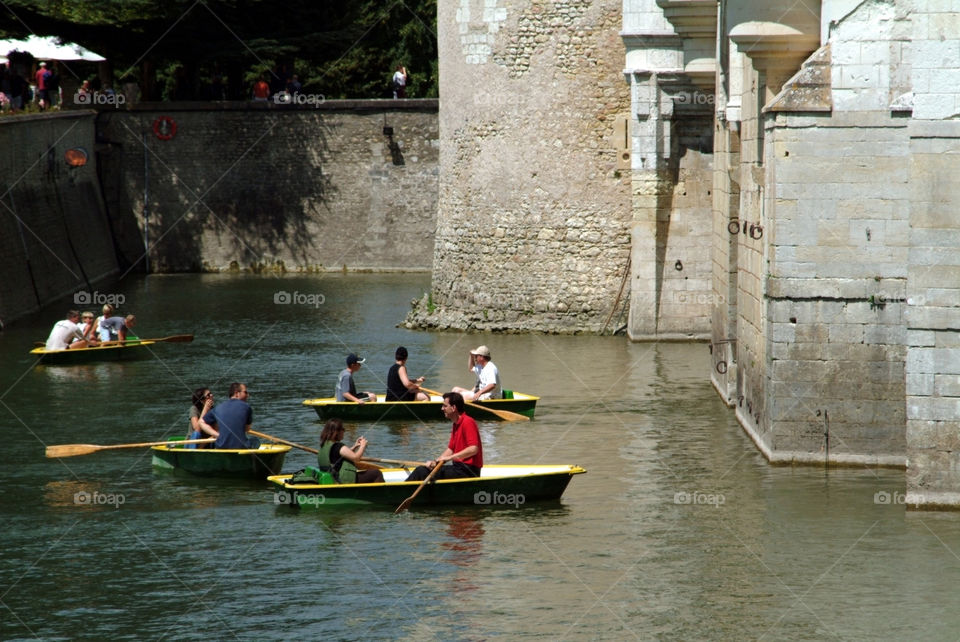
(773, 176)
(533, 222)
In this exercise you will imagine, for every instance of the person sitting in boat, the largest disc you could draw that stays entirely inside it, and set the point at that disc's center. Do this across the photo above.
(231, 420)
(399, 385)
(464, 454)
(339, 460)
(88, 326)
(202, 403)
(68, 334)
(119, 326)
(346, 390)
(488, 377)
(108, 311)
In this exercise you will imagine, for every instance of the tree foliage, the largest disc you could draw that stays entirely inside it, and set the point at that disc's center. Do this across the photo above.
(339, 48)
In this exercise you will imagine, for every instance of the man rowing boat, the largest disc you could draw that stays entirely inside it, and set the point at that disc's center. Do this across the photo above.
(464, 454)
(231, 420)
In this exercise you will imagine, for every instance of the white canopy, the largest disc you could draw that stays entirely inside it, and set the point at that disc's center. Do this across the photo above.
(49, 48)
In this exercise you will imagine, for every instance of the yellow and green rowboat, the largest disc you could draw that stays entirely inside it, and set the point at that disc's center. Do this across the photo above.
(497, 486)
(129, 350)
(328, 407)
(255, 463)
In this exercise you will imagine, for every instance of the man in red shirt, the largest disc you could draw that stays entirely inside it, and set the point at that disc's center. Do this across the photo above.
(41, 78)
(464, 451)
(261, 90)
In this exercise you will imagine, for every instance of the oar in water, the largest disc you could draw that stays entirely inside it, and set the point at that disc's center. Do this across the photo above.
(295, 445)
(409, 500)
(506, 415)
(72, 450)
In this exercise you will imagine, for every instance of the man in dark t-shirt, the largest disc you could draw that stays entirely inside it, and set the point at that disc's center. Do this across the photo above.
(232, 419)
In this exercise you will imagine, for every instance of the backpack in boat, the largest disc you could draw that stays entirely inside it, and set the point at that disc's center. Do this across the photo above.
(311, 475)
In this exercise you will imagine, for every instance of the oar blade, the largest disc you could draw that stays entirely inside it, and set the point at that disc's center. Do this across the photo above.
(70, 450)
(177, 338)
(507, 415)
(404, 505)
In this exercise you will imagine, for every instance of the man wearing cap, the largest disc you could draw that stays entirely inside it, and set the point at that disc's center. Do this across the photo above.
(346, 390)
(41, 78)
(488, 377)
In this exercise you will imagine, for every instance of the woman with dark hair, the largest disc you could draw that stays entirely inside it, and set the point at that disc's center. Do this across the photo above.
(339, 460)
(399, 385)
(202, 402)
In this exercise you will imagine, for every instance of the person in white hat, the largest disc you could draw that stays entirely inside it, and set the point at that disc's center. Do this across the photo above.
(488, 377)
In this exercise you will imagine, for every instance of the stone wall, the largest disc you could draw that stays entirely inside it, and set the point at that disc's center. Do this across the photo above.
(55, 239)
(533, 222)
(672, 97)
(835, 288)
(244, 186)
(933, 269)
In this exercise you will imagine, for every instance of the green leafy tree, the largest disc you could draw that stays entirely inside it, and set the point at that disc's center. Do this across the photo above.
(181, 48)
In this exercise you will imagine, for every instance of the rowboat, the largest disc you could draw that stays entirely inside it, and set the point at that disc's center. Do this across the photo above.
(256, 463)
(511, 486)
(127, 351)
(328, 407)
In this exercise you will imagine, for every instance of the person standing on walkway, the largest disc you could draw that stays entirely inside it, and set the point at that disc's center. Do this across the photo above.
(399, 82)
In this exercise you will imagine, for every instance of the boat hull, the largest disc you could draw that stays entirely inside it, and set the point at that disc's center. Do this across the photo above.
(211, 462)
(510, 486)
(128, 351)
(329, 407)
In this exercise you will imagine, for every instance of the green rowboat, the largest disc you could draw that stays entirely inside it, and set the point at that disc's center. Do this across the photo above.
(127, 351)
(256, 463)
(328, 407)
(510, 486)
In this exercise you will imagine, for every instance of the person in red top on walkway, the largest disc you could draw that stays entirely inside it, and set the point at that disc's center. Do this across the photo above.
(464, 454)
(41, 78)
(261, 90)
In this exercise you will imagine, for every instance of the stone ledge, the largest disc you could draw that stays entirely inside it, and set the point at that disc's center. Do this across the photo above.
(787, 457)
(378, 105)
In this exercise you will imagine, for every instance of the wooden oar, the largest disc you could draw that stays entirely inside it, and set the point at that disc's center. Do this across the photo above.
(284, 441)
(177, 338)
(72, 450)
(301, 447)
(401, 462)
(409, 500)
(506, 415)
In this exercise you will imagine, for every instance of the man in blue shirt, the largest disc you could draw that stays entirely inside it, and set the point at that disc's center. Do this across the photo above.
(231, 420)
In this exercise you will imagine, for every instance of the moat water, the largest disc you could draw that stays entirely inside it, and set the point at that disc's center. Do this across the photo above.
(679, 530)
